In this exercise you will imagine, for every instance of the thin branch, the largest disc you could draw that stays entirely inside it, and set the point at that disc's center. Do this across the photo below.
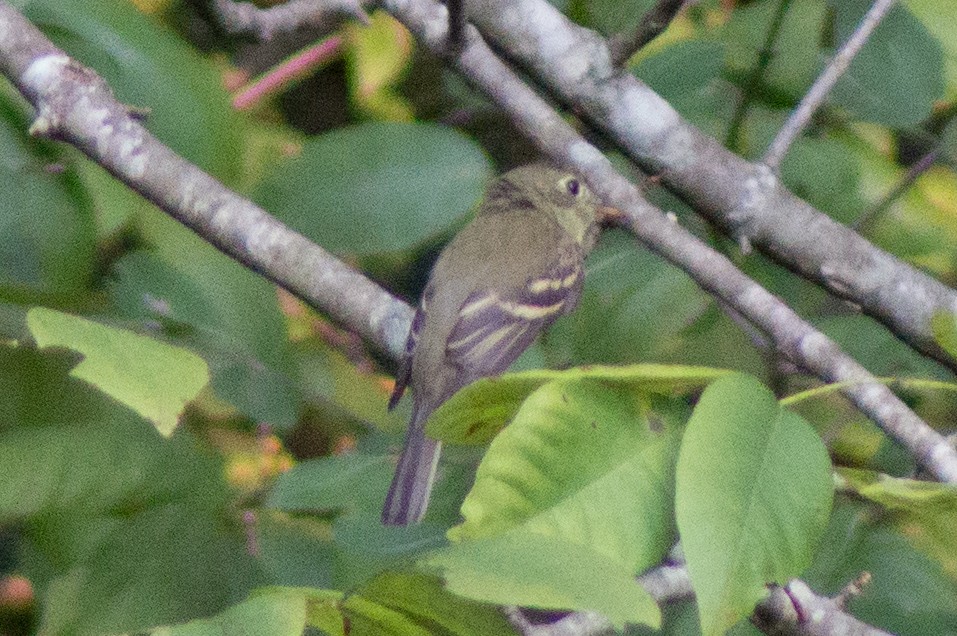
(458, 18)
(75, 105)
(746, 200)
(799, 119)
(913, 173)
(653, 22)
(297, 66)
(792, 336)
(247, 18)
(755, 79)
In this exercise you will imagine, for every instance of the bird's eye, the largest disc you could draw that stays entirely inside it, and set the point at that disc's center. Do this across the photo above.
(573, 187)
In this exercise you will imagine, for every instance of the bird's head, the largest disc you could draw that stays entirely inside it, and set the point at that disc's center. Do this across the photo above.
(553, 191)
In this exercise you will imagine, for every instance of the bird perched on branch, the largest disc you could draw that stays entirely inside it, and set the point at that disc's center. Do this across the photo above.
(504, 278)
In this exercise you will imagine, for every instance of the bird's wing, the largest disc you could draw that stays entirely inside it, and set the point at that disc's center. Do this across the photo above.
(494, 327)
(404, 374)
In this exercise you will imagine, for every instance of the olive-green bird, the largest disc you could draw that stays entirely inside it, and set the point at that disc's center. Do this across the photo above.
(504, 278)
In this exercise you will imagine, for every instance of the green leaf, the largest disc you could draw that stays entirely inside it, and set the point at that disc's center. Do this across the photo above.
(406, 603)
(377, 187)
(879, 350)
(118, 528)
(925, 511)
(944, 326)
(825, 173)
(329, 483)
(753, 495)
(897, 76)
(295, 549)
(218, 308)
(690, 76)
(365, 547)
(478, 412)
(277, 612)
(685, 67)
(796, 58)
(908, 593)
(532, 570)
(929, 13)
(46, 221)
(331, 375)
(153, 378)
(611, 16)
(136, 56)
(582, 462)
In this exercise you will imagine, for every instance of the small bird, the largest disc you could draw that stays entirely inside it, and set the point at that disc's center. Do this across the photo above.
(504, 278)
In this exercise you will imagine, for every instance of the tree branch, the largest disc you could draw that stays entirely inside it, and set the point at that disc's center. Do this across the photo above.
(790, 610)
(75, 105)
(746, 200)
(824, 83)
(245, 17)
(653, 22)
(796, 609)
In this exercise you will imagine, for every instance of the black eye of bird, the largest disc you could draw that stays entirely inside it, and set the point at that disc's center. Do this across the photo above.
(573, 187)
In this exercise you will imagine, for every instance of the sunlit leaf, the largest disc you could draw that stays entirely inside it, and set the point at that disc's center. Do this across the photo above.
(151, 377)
(531, 570)
(753, 496)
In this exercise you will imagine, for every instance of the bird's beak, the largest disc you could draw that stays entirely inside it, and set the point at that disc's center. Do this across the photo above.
(608, 216)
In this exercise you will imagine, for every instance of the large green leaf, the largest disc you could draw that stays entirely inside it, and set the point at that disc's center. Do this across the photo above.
(825, 173)
(753, 496)
(610, 16)
(618, 320)
(331, 483)
(153, 378)
(689, 74)
(929, 13)
(796, 57)
(377, 187)
(581, 461)
(532, 570)
(478, 412)
(216, 307)
(365, 547)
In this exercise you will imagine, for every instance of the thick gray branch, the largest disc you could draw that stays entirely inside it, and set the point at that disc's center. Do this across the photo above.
(75, 105)
(747, 200)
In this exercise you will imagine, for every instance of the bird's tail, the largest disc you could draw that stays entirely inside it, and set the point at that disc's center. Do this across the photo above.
(411, 486)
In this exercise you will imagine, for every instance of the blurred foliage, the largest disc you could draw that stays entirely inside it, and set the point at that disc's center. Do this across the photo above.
(260, 511)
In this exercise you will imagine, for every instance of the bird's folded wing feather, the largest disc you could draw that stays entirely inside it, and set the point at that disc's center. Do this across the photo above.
(495, 327)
